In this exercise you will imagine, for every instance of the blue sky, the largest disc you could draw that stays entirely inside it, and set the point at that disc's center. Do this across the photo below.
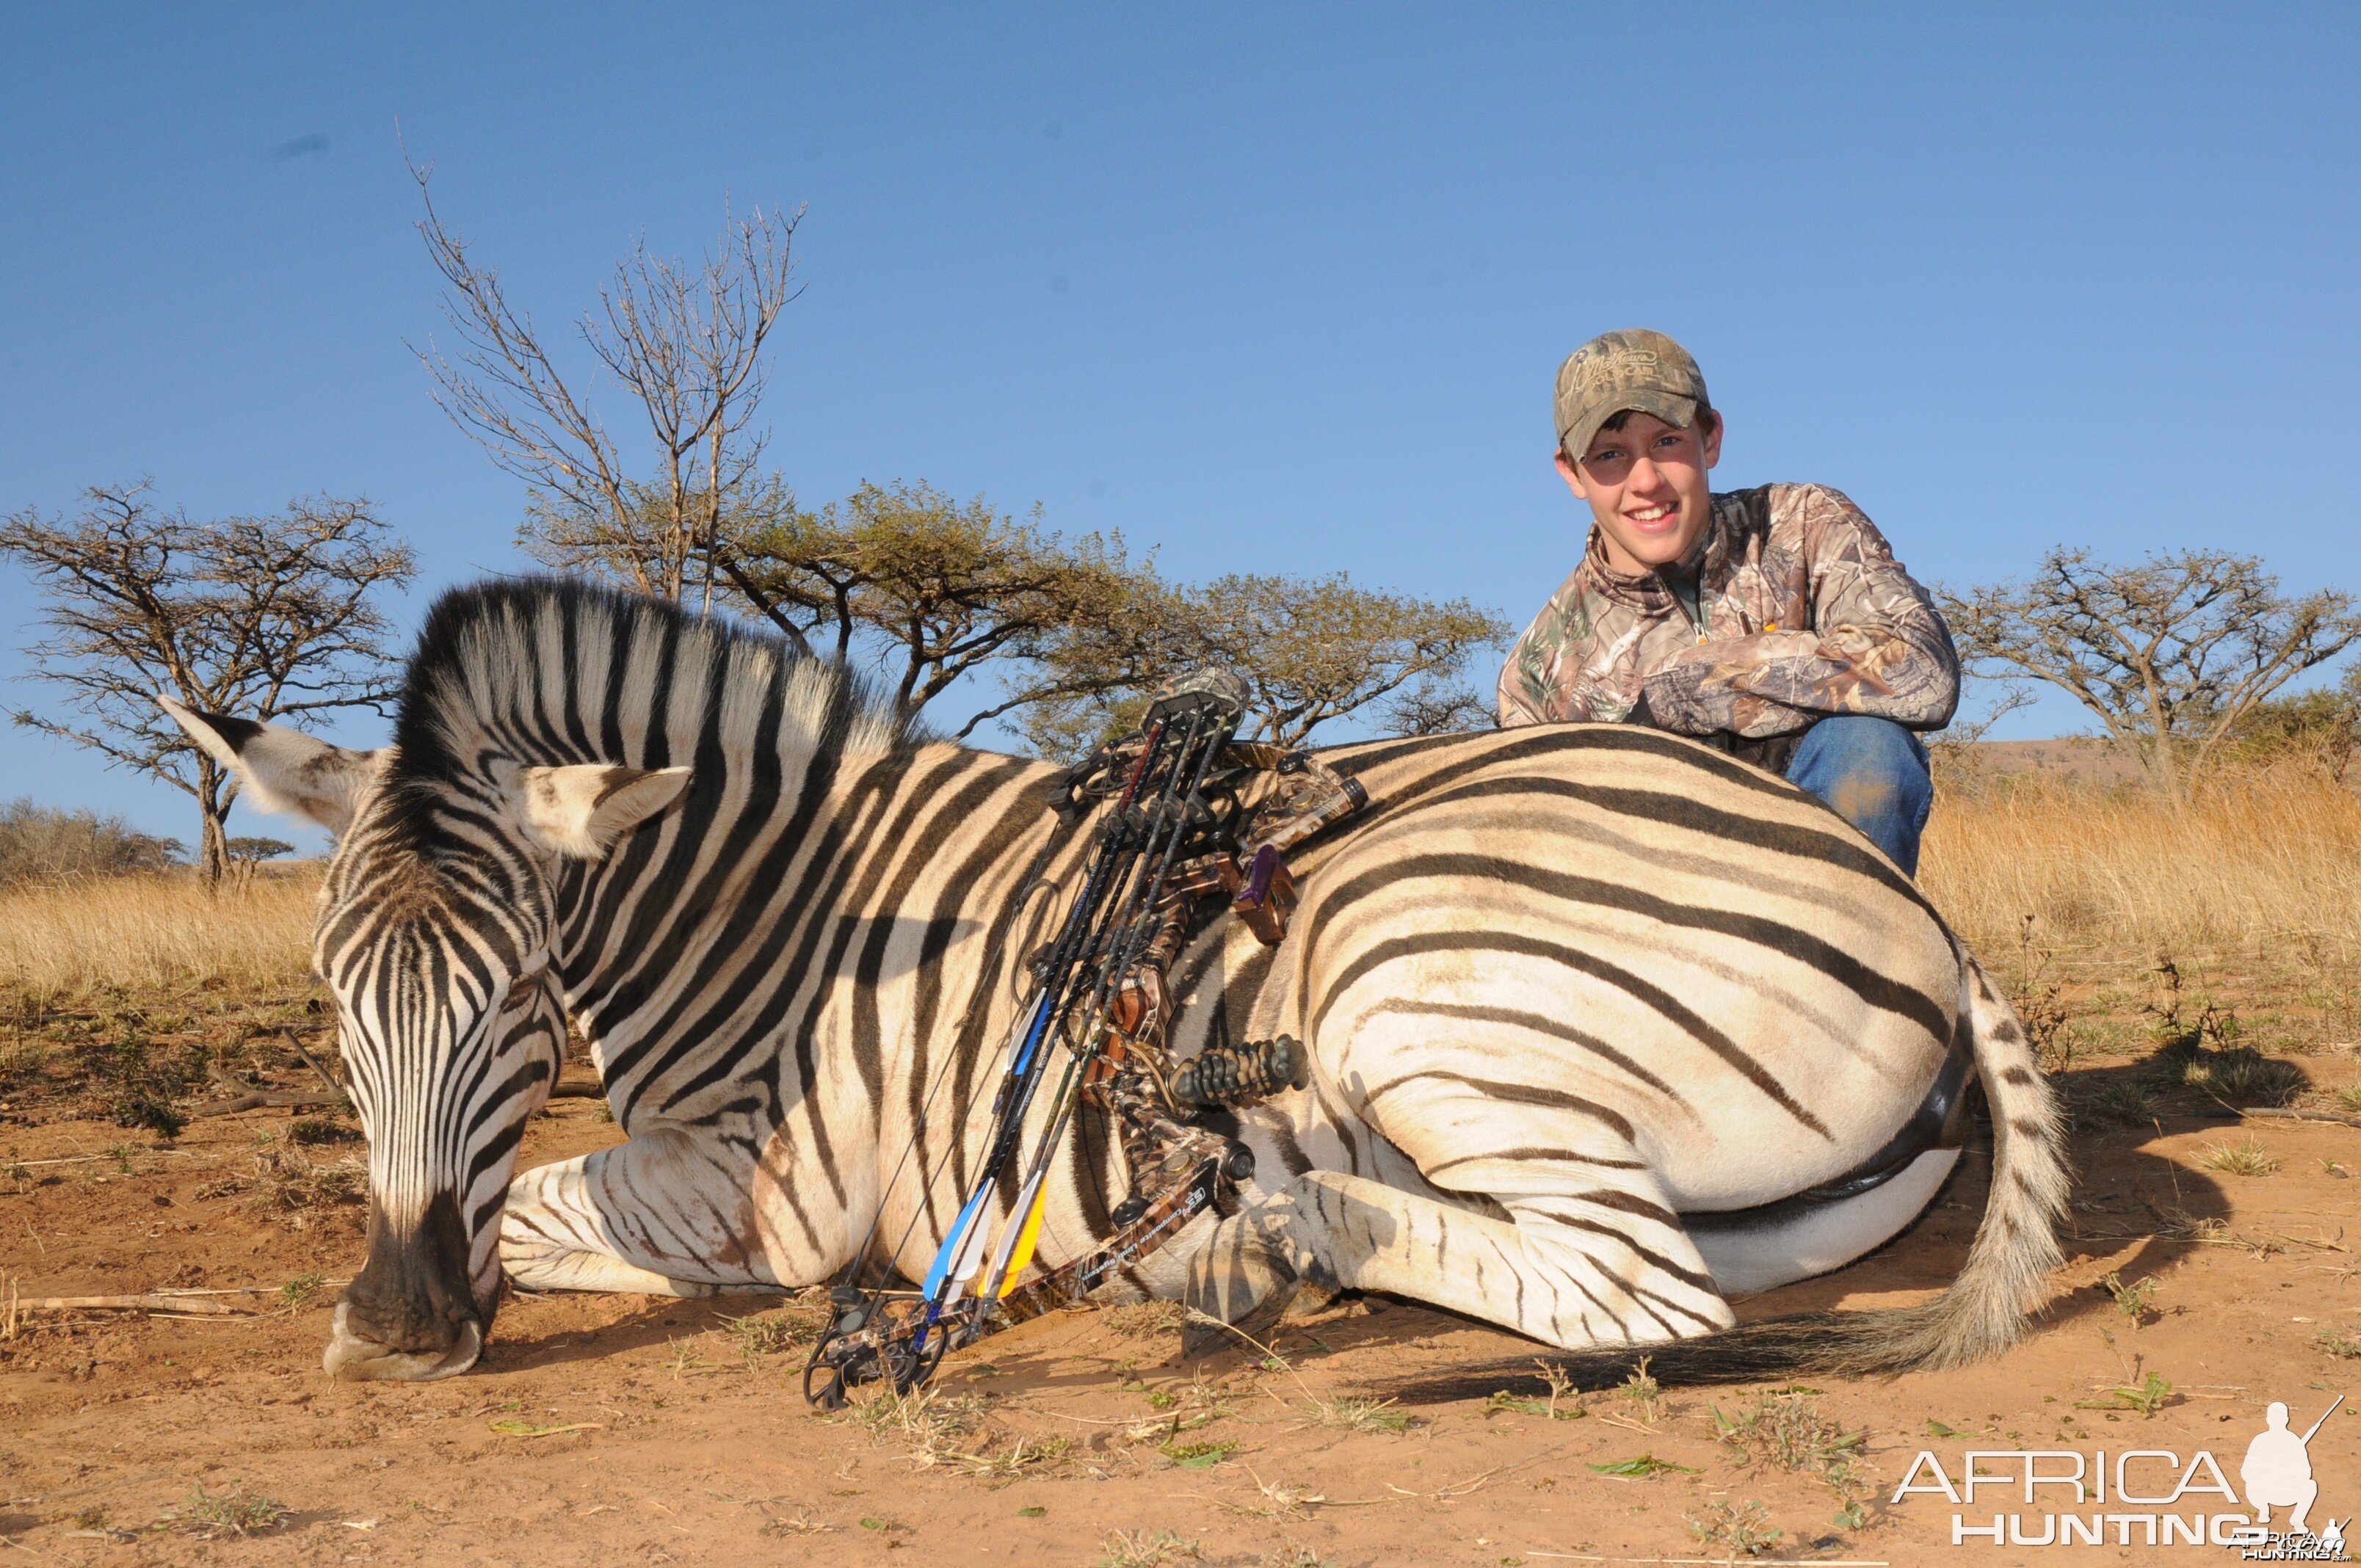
(1270, 288)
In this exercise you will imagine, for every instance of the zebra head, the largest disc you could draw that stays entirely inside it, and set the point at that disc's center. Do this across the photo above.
(434, 933)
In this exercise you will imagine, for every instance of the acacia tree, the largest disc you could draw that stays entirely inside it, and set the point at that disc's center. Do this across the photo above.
(1311, 651)
(685, 341)
(928, 588)
(258, 616)
(2170, 655)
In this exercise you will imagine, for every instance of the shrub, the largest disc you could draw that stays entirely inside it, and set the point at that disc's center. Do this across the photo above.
(45, 843)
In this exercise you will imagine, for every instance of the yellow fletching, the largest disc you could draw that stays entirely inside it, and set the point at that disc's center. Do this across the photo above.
(1023, 1255)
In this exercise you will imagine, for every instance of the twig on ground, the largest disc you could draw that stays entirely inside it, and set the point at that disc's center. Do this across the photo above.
(330, 1079)
(2290, 1113)
(129, 1304)
(271, 1098)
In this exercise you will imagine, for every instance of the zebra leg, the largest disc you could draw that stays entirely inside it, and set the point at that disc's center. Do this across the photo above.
(666, 1215)
(1609, 1264)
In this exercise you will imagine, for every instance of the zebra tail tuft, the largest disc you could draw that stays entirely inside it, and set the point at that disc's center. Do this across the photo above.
(1982, 1313)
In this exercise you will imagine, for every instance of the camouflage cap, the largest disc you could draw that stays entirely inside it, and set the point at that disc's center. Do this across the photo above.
(1618, 370)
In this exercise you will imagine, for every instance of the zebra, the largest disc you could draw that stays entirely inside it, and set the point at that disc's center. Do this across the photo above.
(1605, 1026)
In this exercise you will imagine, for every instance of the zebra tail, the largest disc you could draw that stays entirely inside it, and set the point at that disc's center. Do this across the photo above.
(1982, 1313)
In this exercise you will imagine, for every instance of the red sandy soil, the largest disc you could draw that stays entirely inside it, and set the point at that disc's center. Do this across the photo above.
(673, 1444)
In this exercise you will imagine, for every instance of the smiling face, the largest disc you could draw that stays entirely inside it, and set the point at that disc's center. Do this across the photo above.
(1646, 487)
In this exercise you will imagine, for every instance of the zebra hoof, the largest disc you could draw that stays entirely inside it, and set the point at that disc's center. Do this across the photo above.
(1236, 1296)
(353, 1359)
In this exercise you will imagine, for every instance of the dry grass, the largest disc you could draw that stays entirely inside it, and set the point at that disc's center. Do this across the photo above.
(2263, 858)
(62, 940)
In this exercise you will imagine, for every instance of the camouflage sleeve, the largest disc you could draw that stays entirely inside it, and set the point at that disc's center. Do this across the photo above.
(1878, 646)
(1520, 692)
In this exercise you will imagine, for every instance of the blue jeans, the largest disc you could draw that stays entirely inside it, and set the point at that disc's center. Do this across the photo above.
(1872, 773)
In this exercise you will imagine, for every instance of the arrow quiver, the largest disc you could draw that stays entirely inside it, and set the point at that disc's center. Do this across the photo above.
(1189, 820)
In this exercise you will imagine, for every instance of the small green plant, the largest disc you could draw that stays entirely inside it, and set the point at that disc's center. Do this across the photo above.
(1198, 1455)
(2134, 1301)
(2344, 1347)
(2349, 1099)
(317, 1130)
(1644, 1393)
(1640, 1468)
(1785, 1429)
(298, 1289)
(144, 1108)
(1139, 1549)
(759, 1334)
(2245, 1157)
(236, 1512)
(1739, 1530)
(2148, 1397)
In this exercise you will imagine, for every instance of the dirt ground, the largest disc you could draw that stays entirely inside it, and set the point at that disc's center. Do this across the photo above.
(606, 1428)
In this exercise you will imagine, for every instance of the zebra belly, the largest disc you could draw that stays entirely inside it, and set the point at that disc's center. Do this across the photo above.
(1757, 1249)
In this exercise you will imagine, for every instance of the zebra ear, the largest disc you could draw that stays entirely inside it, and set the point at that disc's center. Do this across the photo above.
(582, 810)
(283, 770)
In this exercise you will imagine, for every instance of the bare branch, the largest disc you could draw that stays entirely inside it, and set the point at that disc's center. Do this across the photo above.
(257, 616)
(2168, 655)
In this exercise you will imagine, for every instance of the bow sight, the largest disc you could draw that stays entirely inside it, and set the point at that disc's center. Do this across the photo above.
(1171, 829)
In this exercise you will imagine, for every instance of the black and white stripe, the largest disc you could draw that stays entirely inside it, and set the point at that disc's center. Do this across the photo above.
(1605, 1025)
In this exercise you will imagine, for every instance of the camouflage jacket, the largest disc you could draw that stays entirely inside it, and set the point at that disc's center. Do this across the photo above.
(1804, 612)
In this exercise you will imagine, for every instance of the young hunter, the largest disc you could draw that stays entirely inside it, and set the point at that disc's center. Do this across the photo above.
(1774, 622)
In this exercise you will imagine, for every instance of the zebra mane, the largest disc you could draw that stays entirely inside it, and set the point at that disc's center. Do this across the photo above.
(549, 671)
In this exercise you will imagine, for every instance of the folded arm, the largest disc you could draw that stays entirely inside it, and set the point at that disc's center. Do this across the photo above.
(1879, 648)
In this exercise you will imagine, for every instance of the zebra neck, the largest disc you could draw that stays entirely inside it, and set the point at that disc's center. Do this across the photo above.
(828, 925)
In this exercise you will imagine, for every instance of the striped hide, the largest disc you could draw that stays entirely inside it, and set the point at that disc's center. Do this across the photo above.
(1605, 1026)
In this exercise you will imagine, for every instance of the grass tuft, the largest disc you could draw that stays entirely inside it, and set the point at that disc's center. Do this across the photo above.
(2245, 1157)
(1733, 1529)
(1144, 1320)
(1139, 1549)
(237, 1511)
(1362, 1415)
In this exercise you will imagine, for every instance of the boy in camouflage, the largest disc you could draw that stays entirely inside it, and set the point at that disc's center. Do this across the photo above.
(1773, 622)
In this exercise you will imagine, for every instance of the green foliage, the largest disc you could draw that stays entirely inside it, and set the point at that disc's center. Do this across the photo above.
(317, 1130)
(1198, 1455)
(2135, 1300)
(1642, 1467)
(1311, 649)
(2149, 1396)
(2319, 730)
(928, 588)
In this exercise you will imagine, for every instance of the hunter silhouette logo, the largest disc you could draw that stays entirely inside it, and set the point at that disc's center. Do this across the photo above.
(2144, 1496)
